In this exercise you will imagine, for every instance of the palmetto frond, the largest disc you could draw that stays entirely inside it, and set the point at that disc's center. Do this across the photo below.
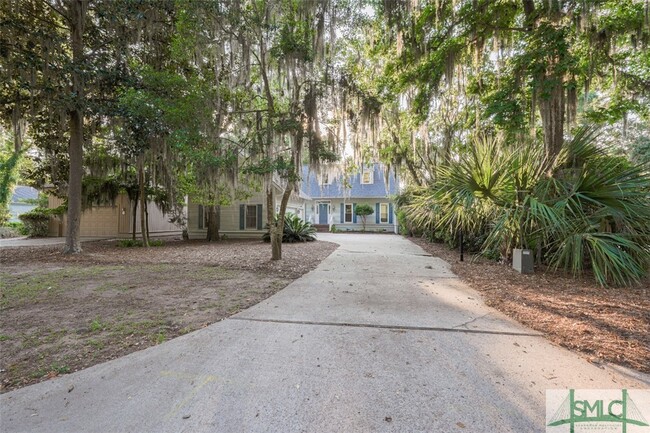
(584, 208)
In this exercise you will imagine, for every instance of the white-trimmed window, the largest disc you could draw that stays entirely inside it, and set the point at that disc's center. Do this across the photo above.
(366, 177)
(251, 216)
(324, 179)
(348, 213)
(383, 213)
(203, 217)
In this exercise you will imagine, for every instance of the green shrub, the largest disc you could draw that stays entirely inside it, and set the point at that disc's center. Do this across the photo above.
(57, 211)
(403, 224)
(295, 230)
(130, 243)
(17, 226)
(9, 167)
(4, 215)
(363, 210)
(584, 209)
(36, 222)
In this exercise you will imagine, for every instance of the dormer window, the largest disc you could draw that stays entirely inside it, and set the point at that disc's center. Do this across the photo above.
(324, 179)
(366, 177)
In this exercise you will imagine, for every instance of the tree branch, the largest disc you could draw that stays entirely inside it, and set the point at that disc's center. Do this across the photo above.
(51, 6)
(43, 20)
(643, 83)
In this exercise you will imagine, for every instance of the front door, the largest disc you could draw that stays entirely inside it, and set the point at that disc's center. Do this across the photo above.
(322, 213)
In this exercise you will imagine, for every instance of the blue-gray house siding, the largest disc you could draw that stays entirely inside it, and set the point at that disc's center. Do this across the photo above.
(378, 188)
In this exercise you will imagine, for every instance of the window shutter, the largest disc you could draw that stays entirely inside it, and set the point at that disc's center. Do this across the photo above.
(242, 216)
(201, 217)
(377, 216)
(354, 213)
(342, 213)
(259, 217)
(390, 213)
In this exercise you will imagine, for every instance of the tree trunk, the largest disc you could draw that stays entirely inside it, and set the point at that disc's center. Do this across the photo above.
(551, 109)
(551, 100)
(143, 201)
(447, 139)
(272, 221)
(276, 237)
(275, 224)
(214, 212)
(411, 169)
(407, 160)
(146, 217)
(276, 245)
(135, 216)
(19, 126)
(75, 150)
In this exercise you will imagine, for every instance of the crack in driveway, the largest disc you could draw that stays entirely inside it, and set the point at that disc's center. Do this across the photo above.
(391, 327)
(464, 324)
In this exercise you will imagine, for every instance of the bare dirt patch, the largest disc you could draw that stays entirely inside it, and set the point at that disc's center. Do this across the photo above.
(605, 324)
(59, 314)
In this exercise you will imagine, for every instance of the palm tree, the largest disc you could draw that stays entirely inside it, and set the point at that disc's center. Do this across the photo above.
(583, 208)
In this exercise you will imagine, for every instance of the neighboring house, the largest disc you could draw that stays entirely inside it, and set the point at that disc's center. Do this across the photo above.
(334, 200)
(114, 221)
(322, 201)
(18, 206)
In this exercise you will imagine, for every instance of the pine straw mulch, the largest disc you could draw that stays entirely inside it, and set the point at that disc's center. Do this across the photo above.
(242, 254)
(609, 325)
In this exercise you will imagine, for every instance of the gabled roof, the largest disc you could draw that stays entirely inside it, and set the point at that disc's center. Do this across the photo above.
(22, 193)
(377, 189)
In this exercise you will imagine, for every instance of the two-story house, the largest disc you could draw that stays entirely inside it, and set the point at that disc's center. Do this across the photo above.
(322, 201)
(334, 200)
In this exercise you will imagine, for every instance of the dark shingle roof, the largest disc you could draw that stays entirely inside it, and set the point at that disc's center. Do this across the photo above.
(377, 189)
(22, 193)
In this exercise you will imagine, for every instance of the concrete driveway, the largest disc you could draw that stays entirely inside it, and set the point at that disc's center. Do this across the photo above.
(24, 241)
(380, 337)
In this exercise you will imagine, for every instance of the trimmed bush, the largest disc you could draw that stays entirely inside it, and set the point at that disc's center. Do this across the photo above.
(36, 222)
(4, 215)
(16, 227)
(363, 210)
